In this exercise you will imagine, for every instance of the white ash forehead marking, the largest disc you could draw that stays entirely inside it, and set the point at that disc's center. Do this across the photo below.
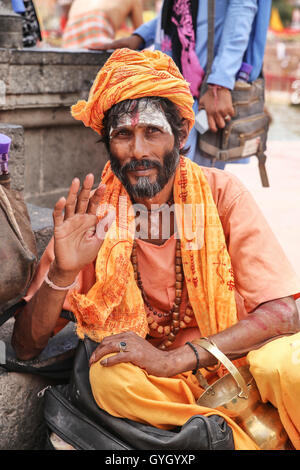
(148, 114)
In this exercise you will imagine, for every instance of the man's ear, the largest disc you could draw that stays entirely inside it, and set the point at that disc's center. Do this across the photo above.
(184, 133)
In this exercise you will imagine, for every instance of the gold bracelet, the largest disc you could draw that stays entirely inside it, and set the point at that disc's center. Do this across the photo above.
(218, 365)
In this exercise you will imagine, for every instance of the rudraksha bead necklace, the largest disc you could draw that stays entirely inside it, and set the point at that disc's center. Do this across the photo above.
(172, 329)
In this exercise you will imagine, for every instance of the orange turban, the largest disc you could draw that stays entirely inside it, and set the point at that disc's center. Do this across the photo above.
(129, 74)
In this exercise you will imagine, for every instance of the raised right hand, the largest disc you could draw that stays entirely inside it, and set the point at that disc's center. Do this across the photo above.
(131, 42)
(76, 242)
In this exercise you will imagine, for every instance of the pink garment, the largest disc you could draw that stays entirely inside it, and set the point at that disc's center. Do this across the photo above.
(190, 66)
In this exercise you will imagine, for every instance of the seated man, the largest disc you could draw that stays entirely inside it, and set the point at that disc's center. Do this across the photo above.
(144, 282)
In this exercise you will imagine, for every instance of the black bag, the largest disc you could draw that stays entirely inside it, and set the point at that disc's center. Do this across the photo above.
(246, 133)
(55, 362)
(72, 413)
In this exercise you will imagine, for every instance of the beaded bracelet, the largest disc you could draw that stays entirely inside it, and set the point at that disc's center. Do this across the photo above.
(55, 287)
(218, 365)
(194, 372)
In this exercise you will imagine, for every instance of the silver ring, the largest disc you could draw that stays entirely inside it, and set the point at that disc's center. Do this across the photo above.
(227, 118)
(122, 346)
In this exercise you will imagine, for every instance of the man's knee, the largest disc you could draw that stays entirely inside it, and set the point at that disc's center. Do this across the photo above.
(113, 383)
(278, 354)
(276, 363)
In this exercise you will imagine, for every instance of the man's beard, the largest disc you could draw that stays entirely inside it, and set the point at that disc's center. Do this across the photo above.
(144, 188)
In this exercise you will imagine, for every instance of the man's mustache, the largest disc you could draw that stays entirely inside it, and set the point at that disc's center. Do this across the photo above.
(141, 165)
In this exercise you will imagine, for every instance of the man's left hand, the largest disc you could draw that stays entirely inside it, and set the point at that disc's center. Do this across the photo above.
(132, 348)
(218, 107)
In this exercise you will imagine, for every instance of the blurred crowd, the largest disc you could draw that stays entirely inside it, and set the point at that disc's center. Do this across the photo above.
(54, 14)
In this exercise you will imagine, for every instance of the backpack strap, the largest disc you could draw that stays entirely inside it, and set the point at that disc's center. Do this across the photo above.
(210, 41)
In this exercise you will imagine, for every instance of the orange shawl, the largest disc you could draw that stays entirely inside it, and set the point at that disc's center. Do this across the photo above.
(114, 304)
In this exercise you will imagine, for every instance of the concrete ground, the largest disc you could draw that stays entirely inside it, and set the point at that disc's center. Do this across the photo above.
(280, 202)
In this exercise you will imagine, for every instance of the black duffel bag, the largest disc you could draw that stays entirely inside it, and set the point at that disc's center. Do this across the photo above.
(71, 413)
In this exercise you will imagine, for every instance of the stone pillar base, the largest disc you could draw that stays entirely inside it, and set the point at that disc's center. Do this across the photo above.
(22, 426)
(16, 162)
(11, 36)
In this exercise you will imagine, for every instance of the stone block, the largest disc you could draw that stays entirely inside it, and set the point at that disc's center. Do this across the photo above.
(42, 226)
(46, 200)
(42, 238)
(67, 78)
(42, 71)
(3, 90)
(40, 217)
(52, 56)
(27, 79)
(10, 27)
(21, 411)
(33, 152)
(22, 425)
(56, 154)
(37, 88)
(33, 79)
(86, 154)
(5, 55)
(16, 162)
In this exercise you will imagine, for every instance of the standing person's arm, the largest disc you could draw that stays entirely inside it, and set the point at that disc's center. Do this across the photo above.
(137, 13)
(234, 41)
(227, 62)
(147, 32)
(76, 244)
(142, 37)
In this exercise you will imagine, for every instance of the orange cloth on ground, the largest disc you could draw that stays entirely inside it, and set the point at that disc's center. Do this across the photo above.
(131, 74)
(276, 369)
(125, 390)
(114, 304)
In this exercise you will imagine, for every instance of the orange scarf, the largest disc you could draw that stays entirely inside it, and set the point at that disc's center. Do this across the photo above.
(114, 304)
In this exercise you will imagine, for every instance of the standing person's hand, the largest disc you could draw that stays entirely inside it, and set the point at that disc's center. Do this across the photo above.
(218, 105)
(76, 240)
(131, 42)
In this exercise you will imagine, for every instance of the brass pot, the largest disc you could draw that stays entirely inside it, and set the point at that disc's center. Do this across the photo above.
(237, 392)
